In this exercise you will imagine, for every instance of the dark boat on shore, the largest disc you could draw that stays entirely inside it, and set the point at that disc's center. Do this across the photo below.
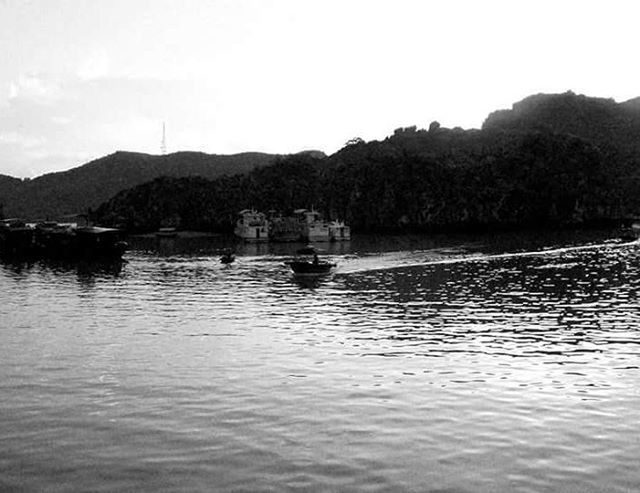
(17, 237)
(54, 239)
(59, 240)
(99, 242)
(307, 262)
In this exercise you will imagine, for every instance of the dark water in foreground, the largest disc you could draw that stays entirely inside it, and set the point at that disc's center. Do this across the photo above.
(487, 364)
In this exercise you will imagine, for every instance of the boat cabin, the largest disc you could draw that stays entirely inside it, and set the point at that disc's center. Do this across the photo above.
(252, 226)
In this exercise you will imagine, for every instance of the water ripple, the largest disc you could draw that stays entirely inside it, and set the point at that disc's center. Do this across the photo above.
(435, 365)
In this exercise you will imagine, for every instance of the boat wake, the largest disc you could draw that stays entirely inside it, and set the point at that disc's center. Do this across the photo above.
(398, 260)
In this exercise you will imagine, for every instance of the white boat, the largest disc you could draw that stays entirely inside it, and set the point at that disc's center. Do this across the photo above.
(167, 233)
(312, 227)
(252, 226)
(304, 225)
(283, 228)
(339, 231)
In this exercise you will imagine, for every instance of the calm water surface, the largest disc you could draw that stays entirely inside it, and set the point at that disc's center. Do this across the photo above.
(455, 364)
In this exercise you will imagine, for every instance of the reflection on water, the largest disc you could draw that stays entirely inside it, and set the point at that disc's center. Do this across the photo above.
(85, 270)
(310, 282)
(502, 363)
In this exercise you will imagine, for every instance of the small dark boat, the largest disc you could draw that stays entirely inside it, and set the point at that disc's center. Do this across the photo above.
(307, 262)
(630, 232)
(227, 257)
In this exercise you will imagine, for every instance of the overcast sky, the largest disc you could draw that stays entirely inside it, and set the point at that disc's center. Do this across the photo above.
(83, 78)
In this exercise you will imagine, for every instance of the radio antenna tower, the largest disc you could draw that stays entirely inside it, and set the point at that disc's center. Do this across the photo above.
(163, 144)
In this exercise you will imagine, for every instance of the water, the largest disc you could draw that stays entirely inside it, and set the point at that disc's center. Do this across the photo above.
(504, 363)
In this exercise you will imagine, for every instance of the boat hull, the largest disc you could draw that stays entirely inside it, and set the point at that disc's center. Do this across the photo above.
(84, 242)
(338, 231)
(310, 268)
(252, 234)
(53, 240)
(167, 233)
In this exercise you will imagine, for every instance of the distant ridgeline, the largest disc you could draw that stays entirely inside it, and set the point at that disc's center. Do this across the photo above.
(552, 160)
(75, 191)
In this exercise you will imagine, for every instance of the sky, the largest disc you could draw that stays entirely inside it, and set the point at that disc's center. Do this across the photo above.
(80, 79)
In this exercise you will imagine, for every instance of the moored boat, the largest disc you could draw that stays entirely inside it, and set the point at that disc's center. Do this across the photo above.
(167, 233)
(339, 231)
(302, 225)
(630, 232)
(17, 237)
(60, 240)
(99, 242)
(284, 229)
(55, 240)
(313, 228)
(252, 226)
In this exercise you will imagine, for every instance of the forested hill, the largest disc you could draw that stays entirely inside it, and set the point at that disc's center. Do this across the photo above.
(599, 120)
(8, 187)
(87, 186)
(552, 160)
(613, 127)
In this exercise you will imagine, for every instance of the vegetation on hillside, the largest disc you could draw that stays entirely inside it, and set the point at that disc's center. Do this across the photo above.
(550, 160)
(76, 190)
(8, 187)
(415, 180)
